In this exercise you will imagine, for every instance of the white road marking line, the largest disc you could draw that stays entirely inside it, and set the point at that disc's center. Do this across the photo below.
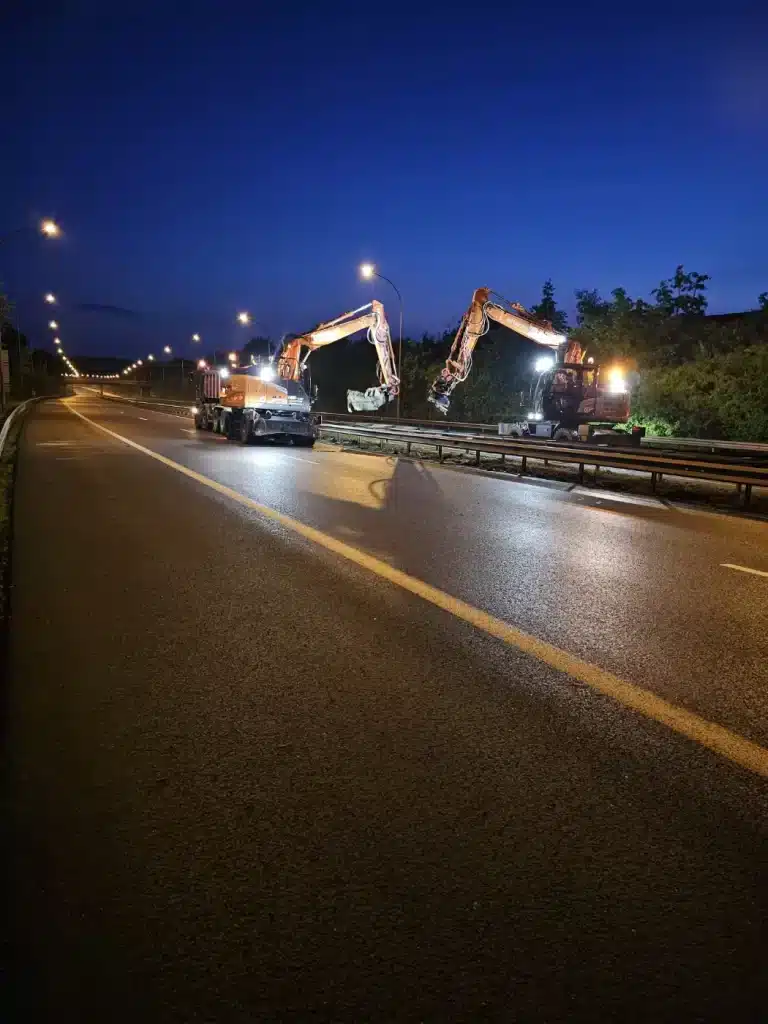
(743, 568)
(717, 738)
(299, 458)
(186, 430)
(143, 418)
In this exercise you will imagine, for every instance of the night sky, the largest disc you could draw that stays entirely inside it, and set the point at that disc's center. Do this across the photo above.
(213, 158)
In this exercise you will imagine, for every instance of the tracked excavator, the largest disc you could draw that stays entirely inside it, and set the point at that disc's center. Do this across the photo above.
(249, 403)
(571, 395)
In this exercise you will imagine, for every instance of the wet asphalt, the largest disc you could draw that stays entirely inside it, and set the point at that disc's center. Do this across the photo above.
(246, 780)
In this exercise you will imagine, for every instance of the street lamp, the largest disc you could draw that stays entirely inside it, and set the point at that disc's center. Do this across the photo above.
(50, 228)
(232, 357)
(195, 337)
(151, 358)
(53, 325)
(57, 341)
(167, 350)
(368, 271)
(244, 318)
(50, 298)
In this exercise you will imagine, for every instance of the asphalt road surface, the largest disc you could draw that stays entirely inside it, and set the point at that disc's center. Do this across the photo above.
(250, 778)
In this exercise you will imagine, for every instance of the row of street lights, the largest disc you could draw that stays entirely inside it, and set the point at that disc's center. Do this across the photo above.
(53, 325)
(49, 229)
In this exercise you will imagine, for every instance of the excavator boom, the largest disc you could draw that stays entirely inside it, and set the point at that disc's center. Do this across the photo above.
(474, 325)
(295, 352)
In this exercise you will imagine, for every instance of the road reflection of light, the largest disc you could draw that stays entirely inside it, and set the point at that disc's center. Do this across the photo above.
(359, 482)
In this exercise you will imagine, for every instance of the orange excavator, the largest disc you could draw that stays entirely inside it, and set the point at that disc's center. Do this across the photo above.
(569, 392)
(296, 351)
(474, 324)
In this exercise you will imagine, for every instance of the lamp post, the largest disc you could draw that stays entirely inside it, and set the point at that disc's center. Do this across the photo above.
(367, 272)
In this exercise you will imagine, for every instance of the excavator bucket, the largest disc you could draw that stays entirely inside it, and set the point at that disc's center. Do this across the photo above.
(367, 401)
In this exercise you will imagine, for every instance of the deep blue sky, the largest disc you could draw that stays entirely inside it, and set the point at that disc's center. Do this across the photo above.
(213, 158)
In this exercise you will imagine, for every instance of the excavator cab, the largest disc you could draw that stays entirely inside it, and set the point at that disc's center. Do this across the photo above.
(574, 393)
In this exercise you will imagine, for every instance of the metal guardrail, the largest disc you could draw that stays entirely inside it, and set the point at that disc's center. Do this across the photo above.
(9, 420)
(743, 474)
(672, 443)
(441, 424)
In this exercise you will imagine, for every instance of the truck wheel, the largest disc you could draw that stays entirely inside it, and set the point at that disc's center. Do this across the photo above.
(246, 430)
(208, 422)
(563, 434)
(198, 421)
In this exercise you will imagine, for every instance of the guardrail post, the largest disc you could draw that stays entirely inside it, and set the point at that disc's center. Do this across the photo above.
(523, 465)
(440, 452)
(581, 472)
(407, 447)
(654, 481)
(477, 458)
(503, 459)
(747, 494)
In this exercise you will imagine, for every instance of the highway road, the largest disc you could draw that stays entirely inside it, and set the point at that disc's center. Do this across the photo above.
(315, 735)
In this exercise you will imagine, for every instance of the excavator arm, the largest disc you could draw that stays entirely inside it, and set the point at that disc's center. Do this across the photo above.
(475, 323)
(295, 353)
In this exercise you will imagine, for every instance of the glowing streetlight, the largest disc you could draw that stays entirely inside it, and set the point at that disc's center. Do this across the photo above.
(244, 318)
(53, 325)
(543, 364)
(232, 357)
(167, 350)
(367, 271)
(50, 298)
(151, 358)
(195, 337)
(139, 362)
(57, 341)
(50, 228)
(201, 364)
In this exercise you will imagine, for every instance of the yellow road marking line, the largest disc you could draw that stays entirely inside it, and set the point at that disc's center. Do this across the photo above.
(743, 568)
(715, 737)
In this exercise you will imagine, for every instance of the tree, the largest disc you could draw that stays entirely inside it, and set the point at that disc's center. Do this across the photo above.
(682, 295)
(590, 307)
(258, 346)
(762, 300)
(720, 396)
(546, 308)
